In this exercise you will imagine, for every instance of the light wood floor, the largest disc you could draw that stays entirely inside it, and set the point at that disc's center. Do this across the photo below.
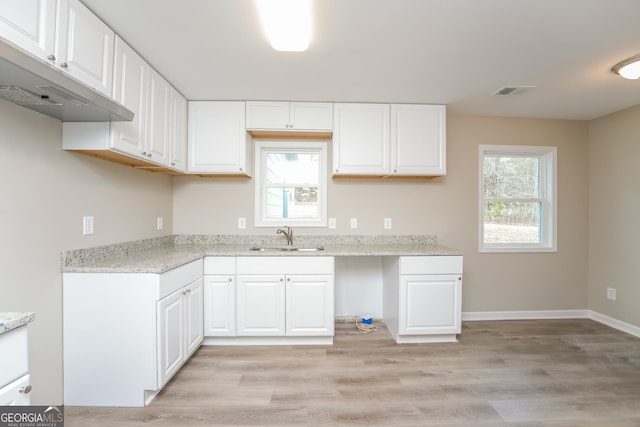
(516, 373)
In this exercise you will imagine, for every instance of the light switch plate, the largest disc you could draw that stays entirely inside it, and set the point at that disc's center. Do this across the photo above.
(388, 223)
(87, 225)
(159, 223)
(354, 222)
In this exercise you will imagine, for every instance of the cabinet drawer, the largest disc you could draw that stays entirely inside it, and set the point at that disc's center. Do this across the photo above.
(220, 265)
(431, 265)
(284, 265)
(177, 278)
(15, 359)
(16, 393)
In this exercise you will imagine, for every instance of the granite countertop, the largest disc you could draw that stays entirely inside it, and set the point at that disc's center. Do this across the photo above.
(12, 320)
(160, 255)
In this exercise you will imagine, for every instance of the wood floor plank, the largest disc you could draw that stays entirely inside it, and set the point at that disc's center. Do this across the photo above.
(542, 373)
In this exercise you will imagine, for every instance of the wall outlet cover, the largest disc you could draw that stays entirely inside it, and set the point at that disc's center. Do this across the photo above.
(332, 223)
(354, 222)
(87, 225)
(242, 223)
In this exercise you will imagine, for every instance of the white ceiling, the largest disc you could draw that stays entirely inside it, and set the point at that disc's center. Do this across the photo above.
(453, 52)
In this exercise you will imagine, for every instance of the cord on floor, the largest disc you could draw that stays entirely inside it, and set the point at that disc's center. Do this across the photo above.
(364, 327)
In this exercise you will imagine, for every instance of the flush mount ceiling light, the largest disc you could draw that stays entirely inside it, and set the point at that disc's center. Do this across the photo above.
(286, 23)
(629, 68)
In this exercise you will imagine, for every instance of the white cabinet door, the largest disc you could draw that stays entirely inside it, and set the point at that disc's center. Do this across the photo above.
(29, 24)
(260, 309)
(418, 139)
(311, 116)
(310, 305)
(430, 304)
(267, 115)
(178, 137)
(194, 332)
(305, 116)
(158, 117)
(130, 89)
(217, 139)
(84, 45)
(219, 306)
(361, 139)
(171, 335)
(16, 393)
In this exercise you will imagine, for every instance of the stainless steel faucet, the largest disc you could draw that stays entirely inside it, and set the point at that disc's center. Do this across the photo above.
(288, 234)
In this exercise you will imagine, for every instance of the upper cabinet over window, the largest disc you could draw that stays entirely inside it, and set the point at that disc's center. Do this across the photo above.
(389, 140)
(289, 116)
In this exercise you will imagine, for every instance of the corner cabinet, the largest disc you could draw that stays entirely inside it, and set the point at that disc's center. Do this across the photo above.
(269, 300)
(218, 143)
(389, 140)
(127, 334)
(423, 298)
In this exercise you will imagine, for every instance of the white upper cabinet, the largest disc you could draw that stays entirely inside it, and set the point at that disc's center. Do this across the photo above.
(302, 116)
(361, 139)
(418, 139)
(84, 45)
(158, 118)
(389, 139)
(130, 89)
(178, 131)
(217, 140)
(29, 24)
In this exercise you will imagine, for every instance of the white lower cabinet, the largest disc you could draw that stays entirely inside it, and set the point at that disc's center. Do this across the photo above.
(127, 334)
(423, 298)
(15, 384)
(260, 299)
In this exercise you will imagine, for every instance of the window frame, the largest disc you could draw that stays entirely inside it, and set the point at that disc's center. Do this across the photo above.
(261, 147)
(548, 177)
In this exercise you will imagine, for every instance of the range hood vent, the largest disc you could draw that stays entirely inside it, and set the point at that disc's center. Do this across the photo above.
(35, 84)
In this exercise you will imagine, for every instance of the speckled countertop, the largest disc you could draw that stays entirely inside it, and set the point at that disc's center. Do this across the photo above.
(12, 320)
(163, 254)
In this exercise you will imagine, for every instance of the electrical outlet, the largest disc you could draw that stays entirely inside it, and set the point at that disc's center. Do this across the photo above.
(354, 223)
(87, 225)
(159, 223)
(611, 294)
(242, 223)
(332, 223)
(388, 223)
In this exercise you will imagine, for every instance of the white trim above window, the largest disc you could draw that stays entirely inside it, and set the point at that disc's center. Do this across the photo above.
(517, 198)
(290, 183)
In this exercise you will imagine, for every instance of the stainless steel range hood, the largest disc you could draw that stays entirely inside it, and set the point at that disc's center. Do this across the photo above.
(39, 86)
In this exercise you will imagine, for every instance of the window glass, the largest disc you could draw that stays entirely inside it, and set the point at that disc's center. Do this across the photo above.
(517, 198)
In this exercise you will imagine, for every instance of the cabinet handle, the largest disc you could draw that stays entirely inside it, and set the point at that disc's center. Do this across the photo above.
(281, 279)
(51, 57)
(144, 153)
(64, 65)
(149, 155)
(240, 169)
(25, 389)
(395, 170)
(230, 279)
(288, 279)
(337, 170)
(459, 278)
(173, 163)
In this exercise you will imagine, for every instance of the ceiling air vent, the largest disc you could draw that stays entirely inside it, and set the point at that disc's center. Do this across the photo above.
(512, 90)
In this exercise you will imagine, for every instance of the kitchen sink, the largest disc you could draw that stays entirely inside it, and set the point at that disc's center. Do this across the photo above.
(285, 249)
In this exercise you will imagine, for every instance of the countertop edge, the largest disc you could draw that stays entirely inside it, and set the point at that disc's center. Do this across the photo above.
(13, 320)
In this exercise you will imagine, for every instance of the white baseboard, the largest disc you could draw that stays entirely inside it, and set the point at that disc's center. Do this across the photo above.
(615, 323)
(471, 316)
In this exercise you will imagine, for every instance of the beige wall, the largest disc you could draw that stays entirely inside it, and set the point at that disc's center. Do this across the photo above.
(614, 234)
(446, 207)
(45, 192)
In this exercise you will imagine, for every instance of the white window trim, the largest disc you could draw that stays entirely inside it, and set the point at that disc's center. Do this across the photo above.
(260, 220)
(549, 196)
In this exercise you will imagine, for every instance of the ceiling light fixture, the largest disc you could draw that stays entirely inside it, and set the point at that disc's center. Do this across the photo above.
(629, 68)
(286, 23)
